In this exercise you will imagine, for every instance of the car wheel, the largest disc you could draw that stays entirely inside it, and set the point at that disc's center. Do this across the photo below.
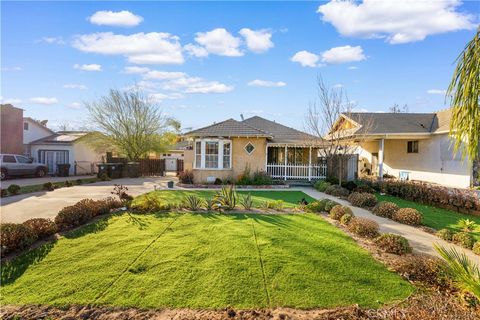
(3, 174)
(40, 172)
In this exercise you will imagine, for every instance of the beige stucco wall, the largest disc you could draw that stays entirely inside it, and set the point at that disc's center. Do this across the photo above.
(240, 159)
(434, 161)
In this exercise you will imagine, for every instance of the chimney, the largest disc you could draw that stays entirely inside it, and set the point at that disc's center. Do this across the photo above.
(241, 116)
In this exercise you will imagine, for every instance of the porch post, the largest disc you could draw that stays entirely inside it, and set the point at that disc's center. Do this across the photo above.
(310, 164)
(380, 158)
(286, 156)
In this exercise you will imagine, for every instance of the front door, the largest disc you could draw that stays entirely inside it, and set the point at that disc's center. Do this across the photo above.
(53, 157)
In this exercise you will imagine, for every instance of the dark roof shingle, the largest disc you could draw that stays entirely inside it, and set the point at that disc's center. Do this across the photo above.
(228, 128)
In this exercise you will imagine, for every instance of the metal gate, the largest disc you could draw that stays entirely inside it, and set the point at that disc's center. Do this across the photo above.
(171, 164)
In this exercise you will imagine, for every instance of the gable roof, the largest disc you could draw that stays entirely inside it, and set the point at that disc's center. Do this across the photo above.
(61, 137)
(279, 132)
(39, 124)
(371, 123)
(228, 128)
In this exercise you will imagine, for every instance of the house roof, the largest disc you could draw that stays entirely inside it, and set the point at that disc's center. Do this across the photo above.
(279, 132)
(39, 123)
(398, 123)
(62, 137)
(228, 128)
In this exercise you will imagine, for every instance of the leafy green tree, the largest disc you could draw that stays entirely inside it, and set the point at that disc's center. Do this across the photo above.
(131, 124)
(464, 91)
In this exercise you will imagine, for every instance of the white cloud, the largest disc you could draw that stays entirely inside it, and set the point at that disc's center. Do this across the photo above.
(159, 97)
(258, 41)
(44, 100)
(343, 54)
(196, 51)
(163, 75)
(338, 86)
(75, 86)
(352, 68)
(51, 40)
(197, 85)
(265, 83)
(120, 18)
(135, 70)
(305, 58)
(10, 100)
(437, 91)
(75, 105)
(139, 48)
(396, 21)
(220, 42)
(88, 67)
(11, 69)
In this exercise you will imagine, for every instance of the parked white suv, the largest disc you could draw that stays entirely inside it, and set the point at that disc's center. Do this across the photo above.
(17, 165)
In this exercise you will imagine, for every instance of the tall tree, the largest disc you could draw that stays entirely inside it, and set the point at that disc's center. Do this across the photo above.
(131, 124)
(464, 91)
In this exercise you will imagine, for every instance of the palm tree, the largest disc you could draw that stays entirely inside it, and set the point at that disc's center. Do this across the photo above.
(464, 91)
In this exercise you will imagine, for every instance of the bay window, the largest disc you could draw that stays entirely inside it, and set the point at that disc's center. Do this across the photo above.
(213, 154)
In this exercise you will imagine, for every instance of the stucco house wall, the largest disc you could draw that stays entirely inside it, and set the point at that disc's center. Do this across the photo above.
(434, 161)
(240, 159)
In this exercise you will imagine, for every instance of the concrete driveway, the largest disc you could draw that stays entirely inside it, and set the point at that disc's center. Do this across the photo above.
(47, 204)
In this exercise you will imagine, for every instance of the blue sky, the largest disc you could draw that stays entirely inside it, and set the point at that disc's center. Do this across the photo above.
(208, 61)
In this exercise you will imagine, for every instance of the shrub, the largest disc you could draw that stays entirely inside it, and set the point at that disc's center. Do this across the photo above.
(363, 227)
(247, 202)
(104, 177)
(364, 200)
(385, 209)
(218, 181)
(346, 218)
(393, 243)
(316, 206)
(227, 198)
(193, 202)
(84, 210)
(245, 178)
(349, 185)
(186, 177)
(332, 180)
(338, 211)
(445, 234)
(337, 191)
(209, 203)
(464, 239)
(364, 189)
(467, 225)
(408, 216)
(261, 178)
(321, 185)
(79, 181)
(48, 186)
(3, 193)
(150, 203)
(121, 192)
(41, 227)
(423, 268)
(15, 237)
(476, 248)
(13, 189)
(68, 184)
(329, 204)
(274, 205)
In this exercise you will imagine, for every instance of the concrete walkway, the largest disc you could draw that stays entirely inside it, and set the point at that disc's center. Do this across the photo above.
(47, 204)
(420, 241)
(30, 181)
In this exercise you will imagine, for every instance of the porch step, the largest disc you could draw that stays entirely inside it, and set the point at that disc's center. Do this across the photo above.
(299, 183)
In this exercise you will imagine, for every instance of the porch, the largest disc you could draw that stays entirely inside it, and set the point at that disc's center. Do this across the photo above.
(291, 162)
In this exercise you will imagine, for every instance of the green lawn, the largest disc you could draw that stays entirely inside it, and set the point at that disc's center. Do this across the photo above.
(203, 261)
(290, 198)
(435, 217)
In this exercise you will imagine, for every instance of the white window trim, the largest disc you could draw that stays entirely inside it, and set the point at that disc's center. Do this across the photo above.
(202, 154)
(245, 148)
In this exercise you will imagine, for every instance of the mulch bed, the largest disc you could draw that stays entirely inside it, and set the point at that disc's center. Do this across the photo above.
(425, 306)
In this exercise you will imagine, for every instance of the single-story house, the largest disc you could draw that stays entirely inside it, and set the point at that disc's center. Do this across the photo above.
(410, 146)
(224, 150)
(66, 147)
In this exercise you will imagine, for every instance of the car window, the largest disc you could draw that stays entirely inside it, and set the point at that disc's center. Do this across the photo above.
(9, 159)
(21, 159)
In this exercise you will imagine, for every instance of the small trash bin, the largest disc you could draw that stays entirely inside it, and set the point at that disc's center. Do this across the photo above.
(63, 169)
(115, 170)
(131, 170)
(102, 170)
(170, 184)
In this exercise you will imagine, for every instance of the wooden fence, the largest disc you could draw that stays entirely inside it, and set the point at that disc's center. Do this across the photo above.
(180, 166)
(146, 167)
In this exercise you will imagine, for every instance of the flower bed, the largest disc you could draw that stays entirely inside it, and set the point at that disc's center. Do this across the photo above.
(219, 186)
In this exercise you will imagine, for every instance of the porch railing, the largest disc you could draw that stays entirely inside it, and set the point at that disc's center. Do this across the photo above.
(297, 171)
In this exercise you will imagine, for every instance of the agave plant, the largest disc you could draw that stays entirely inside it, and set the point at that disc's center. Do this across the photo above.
(467, 225)
(209, 204)
(464, 271)
(247, 201)
(227, 198)
(193, 202)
